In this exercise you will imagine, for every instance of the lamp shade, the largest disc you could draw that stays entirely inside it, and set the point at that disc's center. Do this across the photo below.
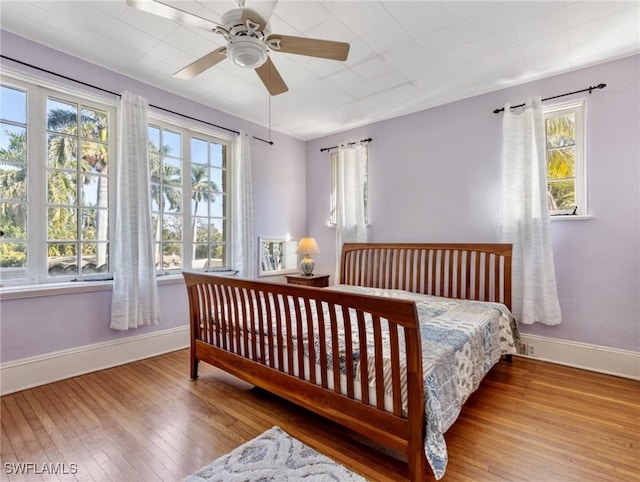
(307, 246)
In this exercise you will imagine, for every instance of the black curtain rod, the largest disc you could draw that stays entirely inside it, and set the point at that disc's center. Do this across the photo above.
(119, 95)
(588, 89)
(349, 144)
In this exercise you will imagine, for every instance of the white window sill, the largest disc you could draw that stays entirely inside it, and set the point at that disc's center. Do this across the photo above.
(36, 291)
(572, 217)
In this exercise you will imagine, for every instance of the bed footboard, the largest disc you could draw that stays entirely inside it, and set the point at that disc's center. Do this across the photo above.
(354, 359)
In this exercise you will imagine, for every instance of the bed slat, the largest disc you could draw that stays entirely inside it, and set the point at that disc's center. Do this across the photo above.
(289, 326)
(364, 358)
(280, 342)
(377, 343)
(395, 371)
(322, 335)
(348, 342)
(335, 350)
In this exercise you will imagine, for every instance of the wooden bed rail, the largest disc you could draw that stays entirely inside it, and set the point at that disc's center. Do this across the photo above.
(351, 344)
(463, 271)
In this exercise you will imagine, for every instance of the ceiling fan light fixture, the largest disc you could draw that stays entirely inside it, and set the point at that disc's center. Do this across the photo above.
(247, 52)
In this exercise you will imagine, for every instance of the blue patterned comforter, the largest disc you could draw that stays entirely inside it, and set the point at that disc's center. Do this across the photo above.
(461, 341)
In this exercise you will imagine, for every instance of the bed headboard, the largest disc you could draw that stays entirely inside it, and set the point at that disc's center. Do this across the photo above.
(455, 270)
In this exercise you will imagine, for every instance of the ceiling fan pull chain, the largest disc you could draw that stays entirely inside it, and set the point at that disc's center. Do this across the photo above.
(269, 96)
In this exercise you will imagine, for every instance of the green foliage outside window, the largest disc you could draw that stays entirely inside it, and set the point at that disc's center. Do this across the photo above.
(166, 200)
(77, 165)
(77, 195)
(13, 193)
(561, 151)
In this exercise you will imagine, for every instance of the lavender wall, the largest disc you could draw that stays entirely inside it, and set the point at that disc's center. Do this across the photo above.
(36, 326)
(435, 176)
(46, 324)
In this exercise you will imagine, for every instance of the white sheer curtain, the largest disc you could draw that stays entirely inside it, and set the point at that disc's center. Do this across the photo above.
(350, 190)
(135, 291)
(525, 215)
(243, 254)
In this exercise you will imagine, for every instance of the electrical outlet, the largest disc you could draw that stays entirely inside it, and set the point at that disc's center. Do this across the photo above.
(531, 350)
(522, 349)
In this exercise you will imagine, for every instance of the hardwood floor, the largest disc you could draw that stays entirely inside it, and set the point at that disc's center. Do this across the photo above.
(145, 421)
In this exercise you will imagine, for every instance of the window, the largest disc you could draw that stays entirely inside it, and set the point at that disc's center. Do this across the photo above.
(77, 203)
(566, 176)
(57, 189)
(208, 203)
(334, 185)
(188, 169)
(55, 151)
(14, 213)
(167, 217)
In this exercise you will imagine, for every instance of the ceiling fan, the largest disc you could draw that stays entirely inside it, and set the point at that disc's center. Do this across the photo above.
(248, 41)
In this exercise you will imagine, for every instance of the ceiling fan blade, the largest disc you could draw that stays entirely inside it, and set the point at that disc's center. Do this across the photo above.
(325, 49)
(202, 64)
(172, 13)
(260, 13)
(271, 78)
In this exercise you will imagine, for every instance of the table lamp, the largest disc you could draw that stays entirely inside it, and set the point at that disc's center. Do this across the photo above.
(307, 247)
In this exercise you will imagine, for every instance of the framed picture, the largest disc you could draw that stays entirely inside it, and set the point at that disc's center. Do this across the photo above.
(277, 256)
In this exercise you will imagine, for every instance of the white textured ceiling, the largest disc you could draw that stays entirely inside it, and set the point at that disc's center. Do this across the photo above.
(405, 55)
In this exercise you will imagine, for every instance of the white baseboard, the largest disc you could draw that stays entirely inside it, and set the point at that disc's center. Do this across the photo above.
(602, 359)
(39, 370)
(31, 372)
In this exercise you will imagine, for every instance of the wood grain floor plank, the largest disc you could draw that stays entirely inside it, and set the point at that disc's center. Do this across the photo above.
(88, 428)
(22, 440)
(146, 421)
(144, 458)
(500, 408)
(8, 455)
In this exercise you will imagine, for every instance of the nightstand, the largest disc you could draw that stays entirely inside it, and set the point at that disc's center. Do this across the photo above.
(317, 280)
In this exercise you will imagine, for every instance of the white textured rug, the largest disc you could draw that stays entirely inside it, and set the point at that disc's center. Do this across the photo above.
(274, 456)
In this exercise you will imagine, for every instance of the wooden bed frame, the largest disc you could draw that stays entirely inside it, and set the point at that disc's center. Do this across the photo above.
(246, 328)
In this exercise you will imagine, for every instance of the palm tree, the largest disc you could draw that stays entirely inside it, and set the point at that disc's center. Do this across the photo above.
(560, 133)
(201, 191)
(12, 187)
(66, 127)
(95, 156)
(13, 175)
(166, 198)
(13, 193)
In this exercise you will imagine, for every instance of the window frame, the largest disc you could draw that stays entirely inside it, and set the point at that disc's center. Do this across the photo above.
(79, 203)
(37, 282)
(30, 187)
(37, 168)
(195, 131)
(577, 107)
